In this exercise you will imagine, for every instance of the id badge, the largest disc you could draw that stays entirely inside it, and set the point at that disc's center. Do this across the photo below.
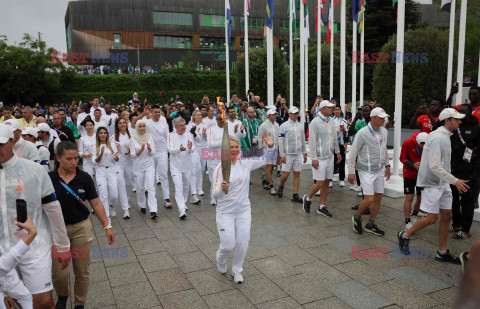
(467, 156)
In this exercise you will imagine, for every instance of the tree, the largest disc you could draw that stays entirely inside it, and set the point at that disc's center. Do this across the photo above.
(28, 73)
(420, 80)
(189, 60)
(258, 73)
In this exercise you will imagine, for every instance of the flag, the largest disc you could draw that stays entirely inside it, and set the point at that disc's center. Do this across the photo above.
(269, 14)
(393, 3)
(249, 8)
(329, 31)
(360, 16)
(228, 19)
(316, 15)
(446, 5)
(336, 2)
(306, 29)
(291, 3)
(356, 7)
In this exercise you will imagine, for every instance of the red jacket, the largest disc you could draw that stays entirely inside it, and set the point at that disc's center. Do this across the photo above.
(410, 154)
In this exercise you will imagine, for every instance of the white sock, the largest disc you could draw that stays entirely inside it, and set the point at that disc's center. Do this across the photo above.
(308, 199)
(442, 252)
(322, 206)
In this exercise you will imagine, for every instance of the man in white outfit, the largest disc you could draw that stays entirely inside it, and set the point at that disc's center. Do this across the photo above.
(369, 149)
(95, 106)
(235, 125)
(210, 120)
(181, 147)
(271, 127)
(22, 149)
(435, 177)
(159, 132)
(323, 143)
(110, 118)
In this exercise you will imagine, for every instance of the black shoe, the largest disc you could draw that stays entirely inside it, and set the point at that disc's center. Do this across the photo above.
(266, 186)
(374, 229)
(279, 173)
(324, 211)
(448, 257)
(153, 215)
(93, 211)
(143, 210)
(403, 243)
(464, 260)
(61, 302)
(264, 182)
(357, 225)
(158, 183)
(183, 217)
(296, 198)
(280, 192)
(306, 204)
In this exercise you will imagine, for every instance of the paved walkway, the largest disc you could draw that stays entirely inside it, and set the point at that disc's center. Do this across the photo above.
(294, 260)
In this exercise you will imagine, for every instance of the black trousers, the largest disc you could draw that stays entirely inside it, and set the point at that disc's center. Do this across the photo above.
(340, 167)
(463, 206)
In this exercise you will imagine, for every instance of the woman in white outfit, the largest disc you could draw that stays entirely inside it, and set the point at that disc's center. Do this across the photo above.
(142, 150)
(85, 147)
(105, 158)
(121, 139)
(233, 208)
(198, 165)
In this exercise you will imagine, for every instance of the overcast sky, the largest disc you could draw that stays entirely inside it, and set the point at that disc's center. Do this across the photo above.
(33, 16)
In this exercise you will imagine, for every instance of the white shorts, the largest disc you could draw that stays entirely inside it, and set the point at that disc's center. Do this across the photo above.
(324, 171)
(372, 182)
(434, 199)
(36, 272)
(271, 159)
(294, 162)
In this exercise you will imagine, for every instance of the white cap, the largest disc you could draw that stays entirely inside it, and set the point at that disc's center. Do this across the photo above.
(449, 113)
(43, 127)
(326, 103)
(30, 131)
(6, 133)
(12, 123)
(421, 137)
(293, 110)
(378, 112)
(135, 93)
(272, 111)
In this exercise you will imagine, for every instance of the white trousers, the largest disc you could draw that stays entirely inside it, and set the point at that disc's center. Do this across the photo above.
(125, 184)
(107, 184)
(89, 169)
(198, 167)
(161, 172)
(181, 180)
(211, 165)
(145, 181)
(234, 232)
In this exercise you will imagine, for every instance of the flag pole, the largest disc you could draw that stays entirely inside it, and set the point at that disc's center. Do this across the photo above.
(245, 43)
(332, 28)
(451, 43)
(478, 78)
(290, 51)
(227, 56)
(343, 9)
(319, 48)
(306, 58)
(354, 68)
(398, 87)
(362, 58)
(270, 65)
(461, 50)
(302, 65)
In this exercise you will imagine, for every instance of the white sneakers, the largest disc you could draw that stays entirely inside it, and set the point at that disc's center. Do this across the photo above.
(330, 185)
(356, 188)
(126, 214)
(194, 199)
(200, 192)
(213, 202)
(318, 193)
(222, 268)
(113, 212)
(342, 184)
(237, 278)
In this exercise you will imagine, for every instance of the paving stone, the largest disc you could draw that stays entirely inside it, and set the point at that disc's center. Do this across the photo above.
(169, 233)
(156, 261)
(451, 274)
(169, 281)
(202, 237)
(188, 299)
(137, 233)
(210, 281)
(99, 295)
(294, 256)
(329, 254)
(260, 289)
(179, 246)
(280, 228)
(116, 255)
(194, 261)
(265, 239)
(363, 273)
(328, 303)
(343, 243)
(138, 295)
(97, 272)
(304, 288)
(146, 246)
(445, 297)
(403, 295)
(302, 240)
(125, 274)
(284, 303)
(418, 279)
(358, 296)
(227, 299)
(274, 267)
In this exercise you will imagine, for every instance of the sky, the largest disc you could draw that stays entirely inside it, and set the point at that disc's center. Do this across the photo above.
(33, 16)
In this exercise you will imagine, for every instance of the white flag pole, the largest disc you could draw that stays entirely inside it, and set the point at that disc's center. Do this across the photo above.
(343, 9)
(227, 56)
(451, 43)
(362, 58)
(307, 27)
(245, 43)
(290, 49)
(302, 65)
(332, 28)
(461, 50)
(354, 69)
(319, 48)
(270, 66)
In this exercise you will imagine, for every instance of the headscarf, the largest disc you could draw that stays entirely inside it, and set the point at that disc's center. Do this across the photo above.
(141, 138)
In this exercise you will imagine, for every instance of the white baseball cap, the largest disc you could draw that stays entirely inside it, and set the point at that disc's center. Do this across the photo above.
(12, 123)
(30, 131)
(326, 103)
(378, 112)
(421, 138)
(293, 110)
(272, 111)
(6, 133)
(449, 113)
(43, 127)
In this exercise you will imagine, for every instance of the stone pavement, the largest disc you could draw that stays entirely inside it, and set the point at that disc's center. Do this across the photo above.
(294, 259)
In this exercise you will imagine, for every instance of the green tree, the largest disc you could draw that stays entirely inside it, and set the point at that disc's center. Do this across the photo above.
(258, 73)
(189, 60)
(27, 73)
(420, 80)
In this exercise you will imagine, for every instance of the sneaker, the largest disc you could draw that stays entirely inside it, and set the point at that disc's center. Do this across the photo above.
(342, 184)
(134, 190)
(374, 230)
(222, 268)
(451, 229)
(296, 198)
(279, 173)
(266, 186)
(408, 226)
(186, 208)
(461, 235)
(318, 193)
(447, 257)
(330, 185)
(113, 212)
(324, 211)
(200, 192)
(353, 187)
(126, 214)
(280, 192)
(463, 260)
(153, 215)
(146, 193)
(167, 204)
(357, 189)
(143, 210)
(62, 302)
(158, 182)
(93, 211)
(273, 191)
(213, 202)
(403, 243)
(306, 204)
(195, 199)
(183, 216)
(238, 278)
(357, 225)
(360, 194)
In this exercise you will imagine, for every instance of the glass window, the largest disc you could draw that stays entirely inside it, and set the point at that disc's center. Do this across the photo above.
(188, 19)
(117, 44)
(181, 18)
(169, 18)
(172, 41)
(168, 41)
(202, 19)
(176, 20)
(162, 41)
(161, 17)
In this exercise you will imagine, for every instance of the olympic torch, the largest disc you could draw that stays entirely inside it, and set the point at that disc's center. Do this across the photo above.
(226, 156)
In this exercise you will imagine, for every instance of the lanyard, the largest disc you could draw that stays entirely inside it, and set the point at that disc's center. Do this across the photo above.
(376, 140)
(461, 138)
(21, 186)
(72, 192)
(324, 120)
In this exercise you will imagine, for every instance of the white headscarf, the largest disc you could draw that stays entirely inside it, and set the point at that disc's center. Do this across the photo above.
(141, 138)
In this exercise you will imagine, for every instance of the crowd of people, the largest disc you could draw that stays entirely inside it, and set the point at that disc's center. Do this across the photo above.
(135, 70)
(69, 161)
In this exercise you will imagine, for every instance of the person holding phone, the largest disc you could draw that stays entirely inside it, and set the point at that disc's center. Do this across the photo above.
(426, 117)
(73, 189)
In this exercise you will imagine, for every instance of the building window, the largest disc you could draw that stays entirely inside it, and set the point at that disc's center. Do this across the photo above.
(162, 41)
(117, 41)
(207, 20)
(253, 22)
(172, 18)
(252, 43)
(214, 43)
(284, 24)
